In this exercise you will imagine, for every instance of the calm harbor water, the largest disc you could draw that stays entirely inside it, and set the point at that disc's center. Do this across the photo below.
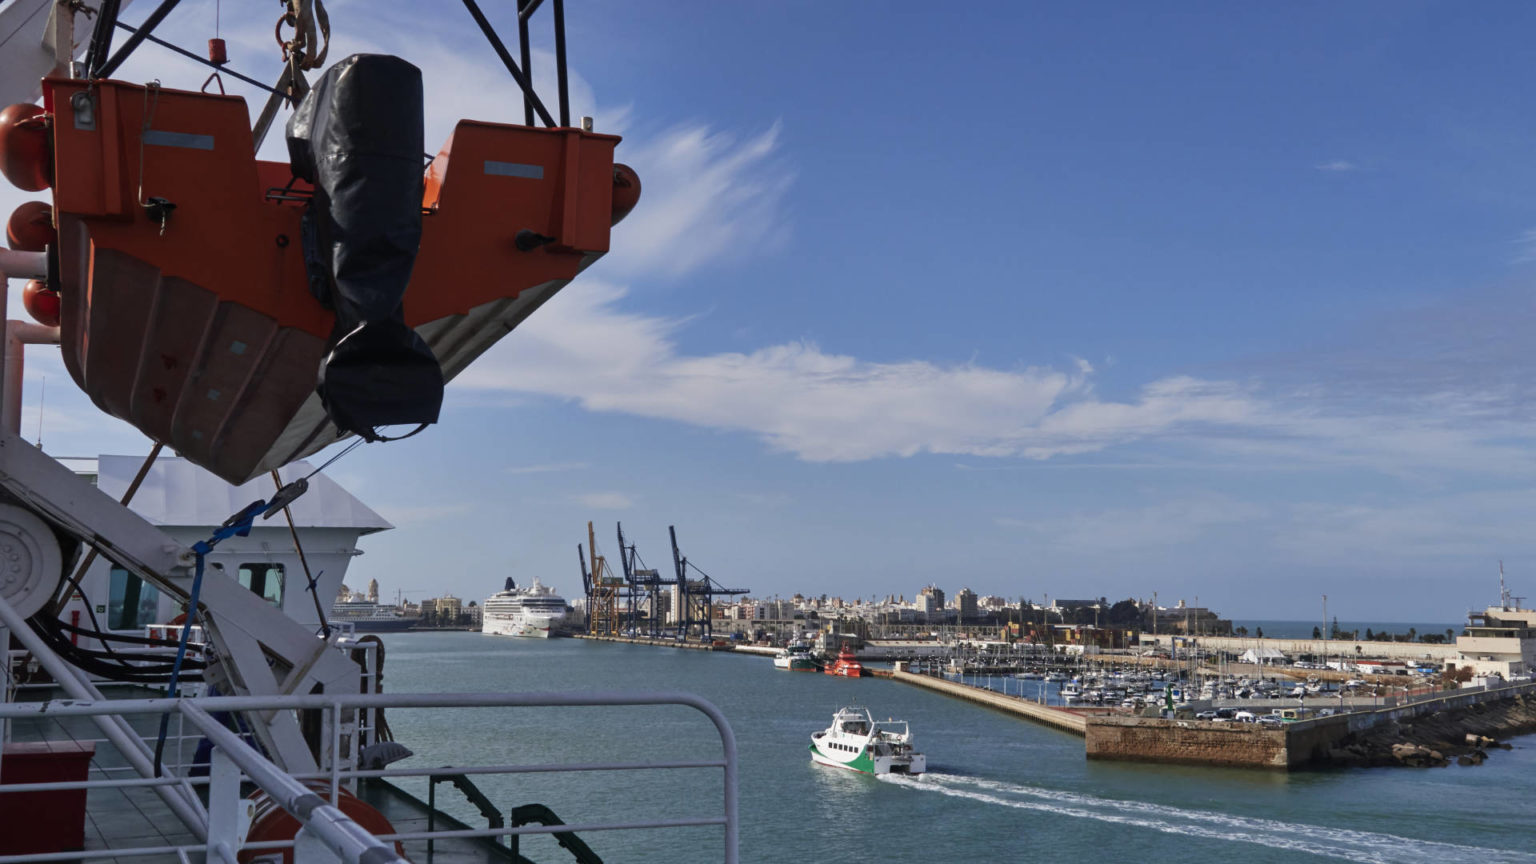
(998, 788)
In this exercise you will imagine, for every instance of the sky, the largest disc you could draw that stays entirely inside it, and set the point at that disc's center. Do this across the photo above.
(1227, 303)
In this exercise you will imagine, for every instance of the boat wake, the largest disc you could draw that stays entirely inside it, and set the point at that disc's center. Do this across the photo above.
(1367, 847)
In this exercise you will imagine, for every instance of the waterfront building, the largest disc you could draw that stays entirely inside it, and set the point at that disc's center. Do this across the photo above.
(447, 607)
(1501, 639)
(965, 604)
(930, 601)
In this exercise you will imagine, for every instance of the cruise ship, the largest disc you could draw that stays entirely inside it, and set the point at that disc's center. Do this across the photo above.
(533, 611)
(369, 616)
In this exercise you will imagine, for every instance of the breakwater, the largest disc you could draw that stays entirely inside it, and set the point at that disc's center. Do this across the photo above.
(1426, 732)
(1462, 733)
(1068, 721)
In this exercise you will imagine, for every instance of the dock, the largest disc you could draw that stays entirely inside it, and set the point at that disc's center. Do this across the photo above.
(1067, 721)
(720, 645)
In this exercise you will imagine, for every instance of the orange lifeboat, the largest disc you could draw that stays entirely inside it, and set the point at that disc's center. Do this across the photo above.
(846, 665)
(196, 324)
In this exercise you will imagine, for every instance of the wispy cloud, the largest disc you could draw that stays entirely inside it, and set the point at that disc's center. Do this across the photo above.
(705, 195)
(547, 468)
(1526, 246)
(1337, 165)
(604, 500)
(826, 407)
(417, 514)
(1154, 526)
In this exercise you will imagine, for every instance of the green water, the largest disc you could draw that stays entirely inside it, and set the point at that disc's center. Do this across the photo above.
(998, 788)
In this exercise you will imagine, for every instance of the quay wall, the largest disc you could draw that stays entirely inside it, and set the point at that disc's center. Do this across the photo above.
(1055, 717)
(658, 643)
(1190, 742)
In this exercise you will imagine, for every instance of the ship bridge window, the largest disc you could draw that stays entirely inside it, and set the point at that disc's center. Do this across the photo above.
(265, 580)
(131, 603)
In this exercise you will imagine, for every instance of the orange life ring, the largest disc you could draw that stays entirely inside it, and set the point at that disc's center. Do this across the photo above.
(272, 823)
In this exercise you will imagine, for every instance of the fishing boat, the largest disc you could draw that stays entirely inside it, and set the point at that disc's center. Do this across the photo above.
(857, 742)
(846, 664)
(796, 657)
(245, 313)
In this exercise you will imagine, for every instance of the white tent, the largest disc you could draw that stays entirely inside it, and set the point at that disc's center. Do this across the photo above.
(1262, 656)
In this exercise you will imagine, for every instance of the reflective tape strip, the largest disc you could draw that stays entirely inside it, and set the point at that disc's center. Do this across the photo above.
(161, 138)
(514, 169)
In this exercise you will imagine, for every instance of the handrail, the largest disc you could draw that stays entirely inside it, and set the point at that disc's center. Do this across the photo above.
(323, 820)
(349, 840)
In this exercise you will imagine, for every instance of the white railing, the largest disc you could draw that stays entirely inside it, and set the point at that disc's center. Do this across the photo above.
(327, 833)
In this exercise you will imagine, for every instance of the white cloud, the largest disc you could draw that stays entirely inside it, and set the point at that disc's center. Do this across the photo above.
(604, 500)
(825, 407)
(704, 195)
(1337, 165)
(1162, 525)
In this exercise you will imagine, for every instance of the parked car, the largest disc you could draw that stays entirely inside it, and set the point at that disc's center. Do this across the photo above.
(1271, 720)
(1245, 717)
(1206, 715)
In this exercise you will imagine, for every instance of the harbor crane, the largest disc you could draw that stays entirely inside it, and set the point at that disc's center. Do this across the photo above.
(698, 595)
(602, 587)
(644, 592)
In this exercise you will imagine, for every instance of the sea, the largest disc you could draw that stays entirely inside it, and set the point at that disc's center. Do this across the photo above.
(998, 788)
(1303, 629)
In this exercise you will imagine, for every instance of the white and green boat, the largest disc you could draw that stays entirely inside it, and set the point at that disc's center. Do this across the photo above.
(857, 742)
(796, 657)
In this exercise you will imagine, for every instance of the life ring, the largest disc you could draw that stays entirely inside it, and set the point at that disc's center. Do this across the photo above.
(272, 823)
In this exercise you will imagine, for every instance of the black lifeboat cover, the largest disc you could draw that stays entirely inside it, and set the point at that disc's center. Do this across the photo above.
(357, 137)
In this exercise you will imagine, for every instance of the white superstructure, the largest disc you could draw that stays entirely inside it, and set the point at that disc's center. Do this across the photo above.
(533, 611)
(856, 741)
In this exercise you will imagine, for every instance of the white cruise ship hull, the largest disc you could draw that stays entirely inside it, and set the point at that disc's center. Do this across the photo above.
(528, 627)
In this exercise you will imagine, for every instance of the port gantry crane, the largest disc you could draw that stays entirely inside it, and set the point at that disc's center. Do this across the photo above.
(644, 590)
(602, 587)
(698, 594)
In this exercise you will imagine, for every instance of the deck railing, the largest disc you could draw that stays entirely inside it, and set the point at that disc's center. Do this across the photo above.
(328, 834)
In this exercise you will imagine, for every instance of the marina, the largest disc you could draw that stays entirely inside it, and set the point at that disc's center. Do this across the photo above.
(1013, 784)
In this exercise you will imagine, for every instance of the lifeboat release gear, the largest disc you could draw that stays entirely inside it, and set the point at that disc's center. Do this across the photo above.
(357, 138)
(196, 324)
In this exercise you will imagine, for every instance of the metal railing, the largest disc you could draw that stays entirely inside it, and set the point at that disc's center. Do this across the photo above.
(327, 832)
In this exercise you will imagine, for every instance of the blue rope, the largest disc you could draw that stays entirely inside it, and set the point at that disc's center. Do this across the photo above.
(238, 525)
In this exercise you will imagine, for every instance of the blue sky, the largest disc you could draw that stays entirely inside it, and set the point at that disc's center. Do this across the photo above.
(1219, 300)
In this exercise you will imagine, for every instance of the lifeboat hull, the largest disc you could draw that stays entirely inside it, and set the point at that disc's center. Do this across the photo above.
(201, 331)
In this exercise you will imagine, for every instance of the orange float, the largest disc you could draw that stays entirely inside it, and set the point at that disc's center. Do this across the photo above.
(24, 147)
(30, 228)
(41, 302)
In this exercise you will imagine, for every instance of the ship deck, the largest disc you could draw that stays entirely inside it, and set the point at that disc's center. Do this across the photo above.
(136, 818)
